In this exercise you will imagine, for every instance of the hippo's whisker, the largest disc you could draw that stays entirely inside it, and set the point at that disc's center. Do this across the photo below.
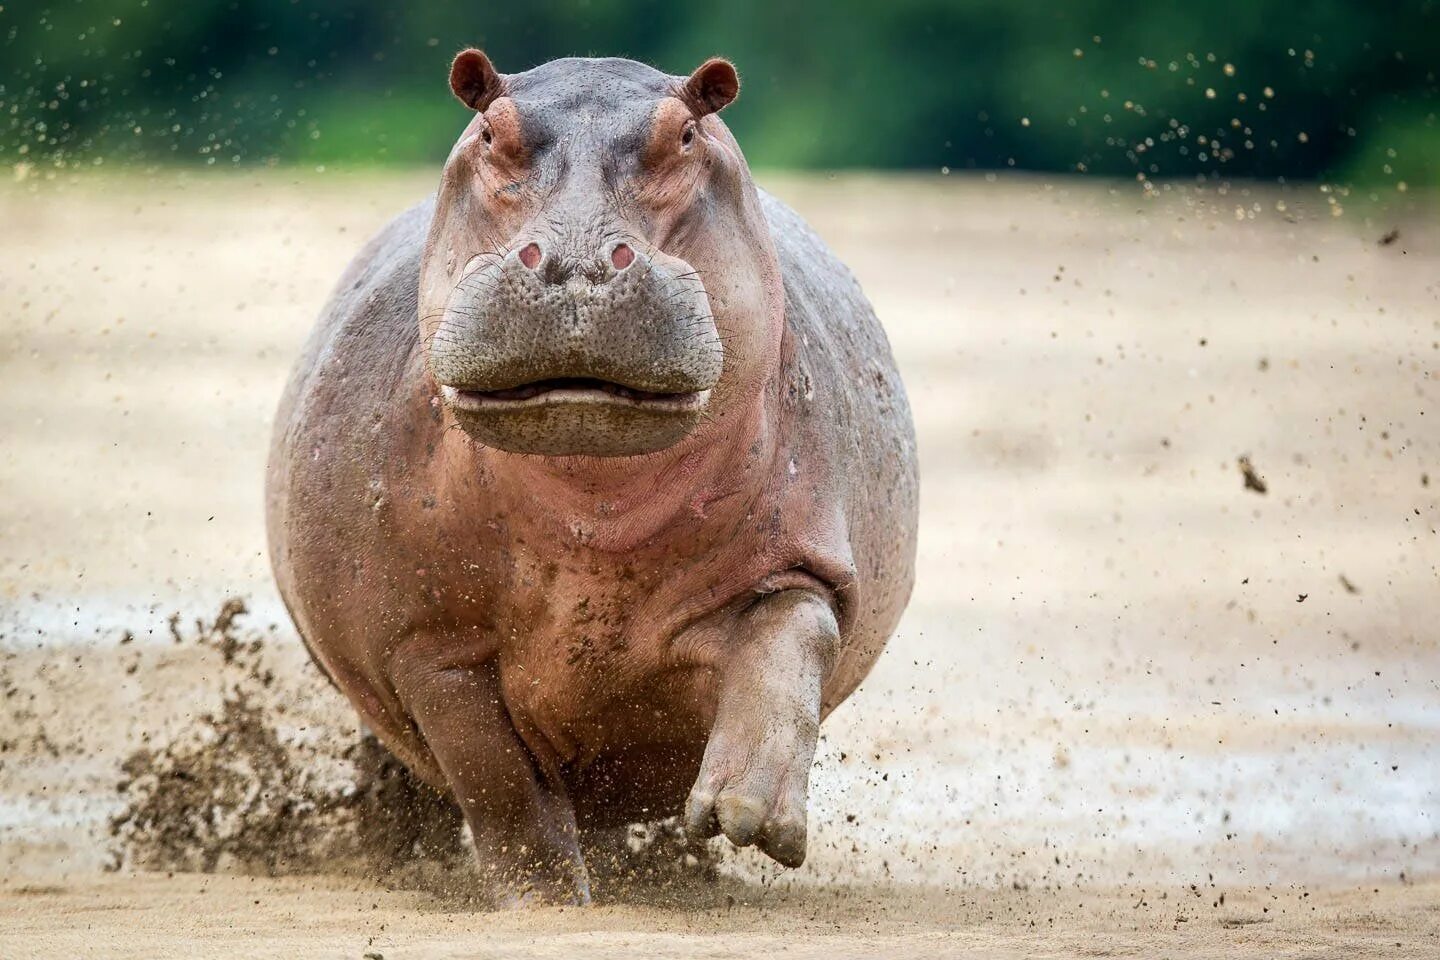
(678, 294)
(476, 280)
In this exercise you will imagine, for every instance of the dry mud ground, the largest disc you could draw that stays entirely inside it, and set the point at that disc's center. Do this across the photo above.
(1136, 708)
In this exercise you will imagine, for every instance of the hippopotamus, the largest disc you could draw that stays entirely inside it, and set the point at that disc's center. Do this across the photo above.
(594, 489)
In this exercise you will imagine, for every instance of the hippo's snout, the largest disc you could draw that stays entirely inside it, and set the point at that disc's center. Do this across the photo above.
(610, 354)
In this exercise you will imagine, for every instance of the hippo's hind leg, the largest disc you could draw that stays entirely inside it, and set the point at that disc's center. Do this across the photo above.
(522, 822)
(755, 776)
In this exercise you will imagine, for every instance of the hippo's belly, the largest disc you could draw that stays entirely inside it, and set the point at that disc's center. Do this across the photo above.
(626, 728)
(634, 783)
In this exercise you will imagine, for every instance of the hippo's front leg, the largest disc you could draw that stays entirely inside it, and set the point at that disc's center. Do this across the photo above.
(755, 777)
(522, 822)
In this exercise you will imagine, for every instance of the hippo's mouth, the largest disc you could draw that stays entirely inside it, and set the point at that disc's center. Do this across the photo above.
(571, 390)
(568, 416)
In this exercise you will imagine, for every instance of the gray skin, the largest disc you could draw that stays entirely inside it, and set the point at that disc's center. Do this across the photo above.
(594, 489)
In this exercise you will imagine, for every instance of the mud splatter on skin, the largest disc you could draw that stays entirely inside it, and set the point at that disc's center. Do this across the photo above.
(236, 792)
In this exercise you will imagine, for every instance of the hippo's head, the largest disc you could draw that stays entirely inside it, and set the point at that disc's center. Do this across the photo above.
(599, 277)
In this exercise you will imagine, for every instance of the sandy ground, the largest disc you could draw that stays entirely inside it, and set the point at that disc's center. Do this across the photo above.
(1135, 708)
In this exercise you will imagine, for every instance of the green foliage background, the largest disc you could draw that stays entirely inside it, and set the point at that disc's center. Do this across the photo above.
(1335, 89)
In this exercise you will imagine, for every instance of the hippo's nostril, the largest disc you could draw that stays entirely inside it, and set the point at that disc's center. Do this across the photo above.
(622, 256)
(530, 255)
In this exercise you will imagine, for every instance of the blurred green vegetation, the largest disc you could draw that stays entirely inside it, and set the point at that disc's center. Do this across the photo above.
(1333, 89)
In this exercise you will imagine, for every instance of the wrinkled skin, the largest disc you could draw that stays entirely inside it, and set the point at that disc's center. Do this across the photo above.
(591, 535)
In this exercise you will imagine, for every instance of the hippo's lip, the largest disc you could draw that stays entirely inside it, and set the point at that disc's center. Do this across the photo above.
(570, 390)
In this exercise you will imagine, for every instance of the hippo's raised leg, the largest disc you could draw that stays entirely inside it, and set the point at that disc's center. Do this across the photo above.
(523, 824)
(755, 777)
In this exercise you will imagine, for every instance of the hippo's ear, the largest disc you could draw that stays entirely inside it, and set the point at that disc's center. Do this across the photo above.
(712, 86)
(474, 80)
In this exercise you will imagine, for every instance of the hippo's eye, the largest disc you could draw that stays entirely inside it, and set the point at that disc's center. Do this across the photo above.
(688, 137)
(487, 136)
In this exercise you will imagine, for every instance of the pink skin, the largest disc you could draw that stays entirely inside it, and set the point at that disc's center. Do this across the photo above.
(575, 641)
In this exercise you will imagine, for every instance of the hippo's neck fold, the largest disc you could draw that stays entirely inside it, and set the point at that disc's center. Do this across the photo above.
(616, 504)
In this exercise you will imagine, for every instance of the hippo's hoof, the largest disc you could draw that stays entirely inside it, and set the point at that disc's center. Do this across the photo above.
(764, 805)
(511, 898)
(540, 889)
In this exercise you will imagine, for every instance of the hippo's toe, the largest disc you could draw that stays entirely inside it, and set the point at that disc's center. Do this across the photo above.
(700, 821)
(742, 818)
(784, 840)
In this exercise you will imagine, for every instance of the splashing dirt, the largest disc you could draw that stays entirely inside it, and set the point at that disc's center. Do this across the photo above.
(233, 792)
(237, 792)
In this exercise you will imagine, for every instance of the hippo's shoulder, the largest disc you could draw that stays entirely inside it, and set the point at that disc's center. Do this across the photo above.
(817, 283)
(841, 354)
(795, 240)
(371, 315)
(388, 266)
(823, 301)
(367, 332)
